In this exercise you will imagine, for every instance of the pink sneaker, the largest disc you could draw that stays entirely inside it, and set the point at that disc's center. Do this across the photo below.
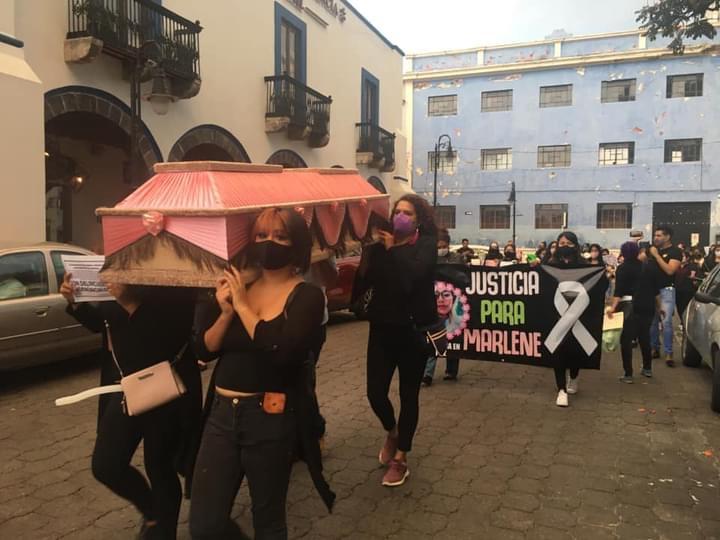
(387, 453)
(396, 474)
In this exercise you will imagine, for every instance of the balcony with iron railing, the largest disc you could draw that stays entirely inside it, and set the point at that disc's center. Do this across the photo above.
(297, 108)
(127, 28)
(376, 147)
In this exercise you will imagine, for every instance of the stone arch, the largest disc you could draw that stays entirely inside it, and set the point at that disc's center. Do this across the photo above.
(69, 99)
(377, 183)
(217, 140)
(288, 159)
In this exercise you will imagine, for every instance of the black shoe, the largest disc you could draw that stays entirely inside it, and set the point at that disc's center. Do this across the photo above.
(427, 381)
(450, 377)
(655, 354)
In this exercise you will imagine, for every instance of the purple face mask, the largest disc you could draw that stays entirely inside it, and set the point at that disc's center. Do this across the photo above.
(403, 225)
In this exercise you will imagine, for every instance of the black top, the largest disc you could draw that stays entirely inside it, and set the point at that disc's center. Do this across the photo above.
(636, 279)
(667, 254)
(684, 277)
(270, 361)
(402, 279)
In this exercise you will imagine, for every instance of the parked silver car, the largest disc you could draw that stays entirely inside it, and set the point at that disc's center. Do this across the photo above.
(701, 339)
(34, 327)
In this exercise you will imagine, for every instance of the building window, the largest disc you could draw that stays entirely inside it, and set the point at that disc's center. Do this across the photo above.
(554, 156)
(551, 216)
(498, 100)
(556, 96)
(614, 215)
(679, 150)
(614, 91)
(685, 85)
(622, 153)
(446, 162)
(445, 217)
(290, 44)
(442, 105)
(495, 216)
(495, 159)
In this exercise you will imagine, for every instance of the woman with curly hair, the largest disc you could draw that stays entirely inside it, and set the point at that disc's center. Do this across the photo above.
(400, 270)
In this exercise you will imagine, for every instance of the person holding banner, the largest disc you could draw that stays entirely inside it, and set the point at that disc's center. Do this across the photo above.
(567, 254)
(144, 326)
(400, 268)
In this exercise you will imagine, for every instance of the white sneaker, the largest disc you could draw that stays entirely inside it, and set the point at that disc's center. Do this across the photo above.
(572, 386)
(562, 399)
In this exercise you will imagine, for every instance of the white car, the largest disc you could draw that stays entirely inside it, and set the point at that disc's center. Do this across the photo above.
(34, 327)
(701, 338)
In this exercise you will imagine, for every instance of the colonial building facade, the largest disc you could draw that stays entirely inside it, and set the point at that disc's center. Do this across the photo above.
(94, 92)
(599, 134)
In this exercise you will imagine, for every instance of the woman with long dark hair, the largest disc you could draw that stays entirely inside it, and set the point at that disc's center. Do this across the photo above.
(142, 327)
(567, 371)
(264, 332)
(400, 270)
(596, 257)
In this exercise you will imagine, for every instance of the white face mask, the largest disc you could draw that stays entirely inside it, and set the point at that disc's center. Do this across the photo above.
(442, 252)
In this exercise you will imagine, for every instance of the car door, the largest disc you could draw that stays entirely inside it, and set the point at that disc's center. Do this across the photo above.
(74, 339)
(27, 331)
(699, 319)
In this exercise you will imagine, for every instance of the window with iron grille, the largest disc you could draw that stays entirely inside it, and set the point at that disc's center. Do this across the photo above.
(685, 85)
(614, 215)
(556, 96)
(442, 105)
(679, 150)
(445, 216)
(554, 156)
(495, 159)
(497, 100)
(614, 91)
(495, 216)
(551, 216)
(622, 153)
(446, 161)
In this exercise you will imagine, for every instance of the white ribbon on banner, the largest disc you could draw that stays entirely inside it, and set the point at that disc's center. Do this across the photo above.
(570, 318)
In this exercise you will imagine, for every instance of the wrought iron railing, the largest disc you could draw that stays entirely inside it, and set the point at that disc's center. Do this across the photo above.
(288, 97)
(378, 141)
(126, 26)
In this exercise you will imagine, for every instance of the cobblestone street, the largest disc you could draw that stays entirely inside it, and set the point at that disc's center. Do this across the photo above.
(494, 457)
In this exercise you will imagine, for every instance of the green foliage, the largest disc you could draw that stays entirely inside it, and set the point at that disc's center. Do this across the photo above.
(679, 19)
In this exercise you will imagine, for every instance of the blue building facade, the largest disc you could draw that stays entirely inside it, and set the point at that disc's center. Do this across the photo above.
(600, 135)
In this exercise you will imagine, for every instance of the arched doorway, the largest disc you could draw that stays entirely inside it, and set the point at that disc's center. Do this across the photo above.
(375, 182)
(208, 143)
(288, 159)
(87, 163)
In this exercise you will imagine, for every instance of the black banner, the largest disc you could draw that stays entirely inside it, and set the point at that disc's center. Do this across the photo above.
(523, 315)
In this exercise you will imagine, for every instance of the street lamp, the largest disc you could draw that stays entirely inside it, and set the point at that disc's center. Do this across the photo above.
(512, 199)
(443, 143)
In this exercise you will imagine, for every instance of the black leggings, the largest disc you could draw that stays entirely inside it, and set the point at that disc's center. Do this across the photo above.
(561, 376)
(635, 326)
(389, 348)
(117, 440)
(241, 441)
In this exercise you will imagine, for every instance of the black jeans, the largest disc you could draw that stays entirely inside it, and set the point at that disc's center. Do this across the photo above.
(392, 347)
(242, 440)
(561, 376)
(118, 437)
(635, 326)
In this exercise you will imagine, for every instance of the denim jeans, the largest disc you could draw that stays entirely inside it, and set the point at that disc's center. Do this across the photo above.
(667, 305)
(451, 366)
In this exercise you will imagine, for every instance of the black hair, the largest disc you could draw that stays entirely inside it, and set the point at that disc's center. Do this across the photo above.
(423, 211)
(665, 230)
(443, 235)
(297, 230)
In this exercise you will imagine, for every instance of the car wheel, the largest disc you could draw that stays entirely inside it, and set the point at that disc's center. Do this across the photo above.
(715, 402)
(360, 308)
(690, 355)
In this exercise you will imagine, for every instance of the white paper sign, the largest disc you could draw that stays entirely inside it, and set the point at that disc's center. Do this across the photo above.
(85, 278)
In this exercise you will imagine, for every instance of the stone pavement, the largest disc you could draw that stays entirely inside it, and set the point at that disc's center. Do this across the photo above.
(494, 458)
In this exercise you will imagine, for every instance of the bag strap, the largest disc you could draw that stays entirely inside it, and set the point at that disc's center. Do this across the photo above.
(112, 349)
(180, 354)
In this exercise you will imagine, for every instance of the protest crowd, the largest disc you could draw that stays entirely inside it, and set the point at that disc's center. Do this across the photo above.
(264, 327)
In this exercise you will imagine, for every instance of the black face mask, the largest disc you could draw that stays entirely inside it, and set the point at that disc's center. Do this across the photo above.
(271, 255)
(566, 252)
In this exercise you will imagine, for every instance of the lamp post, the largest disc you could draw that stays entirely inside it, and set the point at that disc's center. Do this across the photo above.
(443, 143)
(512, 199)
